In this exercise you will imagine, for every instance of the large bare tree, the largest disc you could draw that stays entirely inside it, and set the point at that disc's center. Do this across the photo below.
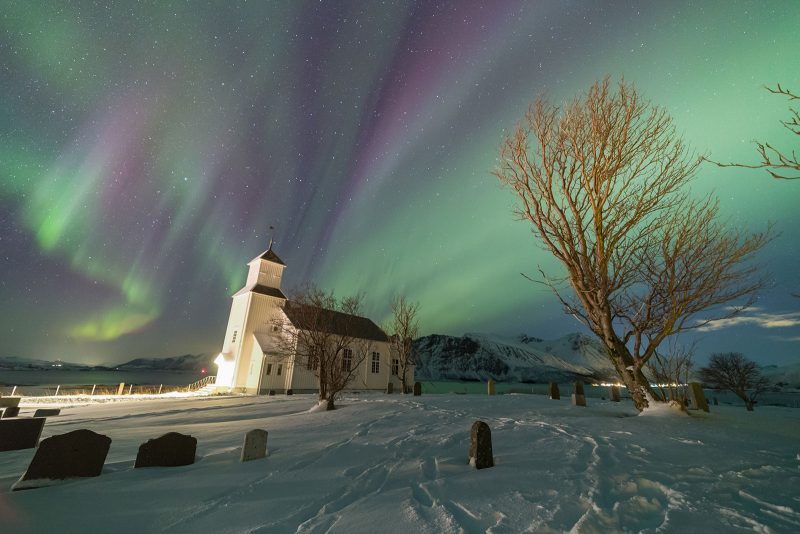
(603, 184)
(404, 327)
(780, 164)
(324, 335)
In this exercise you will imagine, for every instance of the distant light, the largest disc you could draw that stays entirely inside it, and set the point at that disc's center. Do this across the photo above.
(203, 370)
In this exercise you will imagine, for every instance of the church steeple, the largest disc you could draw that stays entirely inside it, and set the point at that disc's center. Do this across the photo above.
(266, 271)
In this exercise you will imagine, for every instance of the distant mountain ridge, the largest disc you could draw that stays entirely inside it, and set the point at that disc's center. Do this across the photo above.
(186, 362)
(517, 359)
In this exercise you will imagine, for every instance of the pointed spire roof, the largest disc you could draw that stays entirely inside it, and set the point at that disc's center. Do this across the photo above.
(269, 255)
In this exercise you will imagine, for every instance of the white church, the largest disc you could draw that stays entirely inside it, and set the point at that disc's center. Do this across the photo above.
(250, 361)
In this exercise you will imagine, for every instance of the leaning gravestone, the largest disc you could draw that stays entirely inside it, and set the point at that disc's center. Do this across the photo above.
(255, 445)
(11, 411)
(578, 396)
(614, 393)
(9, 402)
(170, 450)
(389, 388)
(80, 453)
(490, 385)
(46, 412)
(480, 446)
(23, 433)
(417, 389)
(697, 399)
(553, 391)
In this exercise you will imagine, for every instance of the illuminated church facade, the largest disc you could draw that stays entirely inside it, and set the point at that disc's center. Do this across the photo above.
(253, 361)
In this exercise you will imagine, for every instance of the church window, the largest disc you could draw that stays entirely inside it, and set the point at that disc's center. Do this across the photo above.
(233, 340)
(347, 360)
(376, 362)
(275, 328)
(278, 372)
(269, 369)
(395, 367)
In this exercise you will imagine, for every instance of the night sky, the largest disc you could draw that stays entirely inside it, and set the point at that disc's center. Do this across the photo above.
(146, 148)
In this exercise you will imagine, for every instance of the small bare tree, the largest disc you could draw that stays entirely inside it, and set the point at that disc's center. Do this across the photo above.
(322, 334)
(734, 372)
(670, 371)
(404, 328)
(779, 164)
(603, 185)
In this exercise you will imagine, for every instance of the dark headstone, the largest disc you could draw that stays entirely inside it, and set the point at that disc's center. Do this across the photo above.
(697, 399)
(271, 392)
(480, 446)
(11, 411)
(170, 450)
(614, 393)
(389, 388)
(289, 392)
(553, 391)
(255, 445)
(46, 412)
(578, 396)
(21, 433)
(80, 453)
(417, 389)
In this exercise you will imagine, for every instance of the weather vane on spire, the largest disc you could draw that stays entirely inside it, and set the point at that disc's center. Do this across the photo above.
(271, 234)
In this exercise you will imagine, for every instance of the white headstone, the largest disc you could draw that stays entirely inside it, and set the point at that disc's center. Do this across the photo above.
(255, 445)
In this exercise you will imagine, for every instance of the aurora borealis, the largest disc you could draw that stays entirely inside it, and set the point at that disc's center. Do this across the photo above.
(146, 148)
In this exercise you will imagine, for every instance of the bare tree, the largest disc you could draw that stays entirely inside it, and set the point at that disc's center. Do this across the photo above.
(404, 328)
(734, 372)
(602, 183)
(670, 371)
(779, 164)
(323, 334)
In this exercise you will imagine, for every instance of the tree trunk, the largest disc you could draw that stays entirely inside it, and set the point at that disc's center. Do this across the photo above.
(637, 384)
(749, 404)
(330, 405)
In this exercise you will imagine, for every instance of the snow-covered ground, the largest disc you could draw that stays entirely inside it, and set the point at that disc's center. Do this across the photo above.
(399, 464)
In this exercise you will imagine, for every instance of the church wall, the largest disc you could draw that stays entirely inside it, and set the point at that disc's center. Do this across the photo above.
(269, 274)
(232, 344)
(263, 310)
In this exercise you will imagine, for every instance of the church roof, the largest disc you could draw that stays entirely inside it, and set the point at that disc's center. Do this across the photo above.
(307, 317)
(262, 290)
(269, 255)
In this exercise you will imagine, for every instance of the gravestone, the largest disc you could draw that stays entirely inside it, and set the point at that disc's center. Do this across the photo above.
(121, 388)
(578, 396)
(553, 391)
(490, 387)
(614, 393)
(289, 392)
(417, 389)
(46, 412)
(255, 445)
(389, 388)
(80, 453)
(16, 434)
(271, 393)
(170, 450)
(697, 399)
(9, 402)
(11, 411)
(480, 446)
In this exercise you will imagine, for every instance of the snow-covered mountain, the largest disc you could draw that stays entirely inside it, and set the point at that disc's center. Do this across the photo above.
(519, 359)
(13, 363)
(187, 362)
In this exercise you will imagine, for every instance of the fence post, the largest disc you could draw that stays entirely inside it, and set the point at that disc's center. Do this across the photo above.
(159, 388)
(57, 388)
(93, 386)
(13, 391)
(130, 389)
